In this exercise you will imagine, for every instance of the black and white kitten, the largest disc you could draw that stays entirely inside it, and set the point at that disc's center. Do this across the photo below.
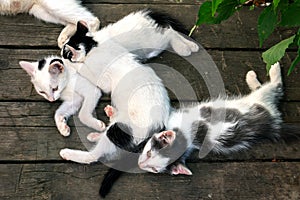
(138, 95)
(228, 124)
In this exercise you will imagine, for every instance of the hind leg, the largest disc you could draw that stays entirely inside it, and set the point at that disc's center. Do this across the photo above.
(275, 74)
(183, 46)
(252, 81)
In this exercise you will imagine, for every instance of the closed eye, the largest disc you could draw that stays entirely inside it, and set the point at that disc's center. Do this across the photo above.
(55, 89)
(42, 92)
(149, 153)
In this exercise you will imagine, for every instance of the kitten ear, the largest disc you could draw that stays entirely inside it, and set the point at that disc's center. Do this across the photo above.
(28, 67)
(56, 68)
(180, 169)
(167, 137)
(82, 28)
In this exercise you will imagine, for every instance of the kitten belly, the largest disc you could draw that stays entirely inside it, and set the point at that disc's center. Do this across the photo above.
(11, 7)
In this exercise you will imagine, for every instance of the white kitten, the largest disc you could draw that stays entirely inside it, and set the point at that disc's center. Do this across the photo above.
(65, 12)
(53, 80)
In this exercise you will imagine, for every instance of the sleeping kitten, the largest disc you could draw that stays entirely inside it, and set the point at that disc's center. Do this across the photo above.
(228, 124)
(138, 95)
(145, 33)
(54, 80)
(66, 12)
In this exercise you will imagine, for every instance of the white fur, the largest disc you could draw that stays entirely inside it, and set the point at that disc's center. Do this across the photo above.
(136, 91)
(148, 39)
(65, 12)
(184, 118)
(75, 91)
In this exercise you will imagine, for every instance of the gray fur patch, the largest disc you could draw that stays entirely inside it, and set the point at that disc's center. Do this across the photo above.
(252, 127)
(215, 115)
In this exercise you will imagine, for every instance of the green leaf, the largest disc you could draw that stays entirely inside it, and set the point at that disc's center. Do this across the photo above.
(214, 6)
(225, 9)
(276, 52)
(205, 14)
(294, 63)
(275, 3)
(266, 24)
(291, 15)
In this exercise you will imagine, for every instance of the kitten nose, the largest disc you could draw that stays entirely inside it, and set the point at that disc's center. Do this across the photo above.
(51, 99)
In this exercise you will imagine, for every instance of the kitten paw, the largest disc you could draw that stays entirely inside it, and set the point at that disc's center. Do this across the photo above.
(275, 73)
(94, 25)
(62, 126)
(251, 80)
(109, 110)
(66, 154)
(184, 47)
(101, 125)
(94, 137)
(65, 34)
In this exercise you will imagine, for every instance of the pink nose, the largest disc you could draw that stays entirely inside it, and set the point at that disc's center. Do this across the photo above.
(51, 99)
(141, 165)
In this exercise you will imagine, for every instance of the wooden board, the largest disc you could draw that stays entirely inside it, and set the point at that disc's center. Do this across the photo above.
(236, 180)
(31, 168)
(240, 31)
(232, 66)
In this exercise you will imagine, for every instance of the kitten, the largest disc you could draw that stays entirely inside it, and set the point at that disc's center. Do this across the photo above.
(54, 80)
(138, 95)
(145, 33)
(66, 12)
(227, 124)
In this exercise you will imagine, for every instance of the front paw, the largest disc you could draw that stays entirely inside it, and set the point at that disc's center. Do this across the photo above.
(102, 125)
(62, 126)
(94, 137)
(66, 154)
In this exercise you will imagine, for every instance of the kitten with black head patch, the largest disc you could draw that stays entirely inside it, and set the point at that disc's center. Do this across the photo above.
(54, 80)
(150, 32)
(108, 58)
(228, 125)
(66, 12)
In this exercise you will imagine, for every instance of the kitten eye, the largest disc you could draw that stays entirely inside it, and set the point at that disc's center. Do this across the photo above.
(42, 92)
(149, 153)
(55, 89)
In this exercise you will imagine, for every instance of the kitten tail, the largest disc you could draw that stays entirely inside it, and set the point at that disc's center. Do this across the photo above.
(109, 179)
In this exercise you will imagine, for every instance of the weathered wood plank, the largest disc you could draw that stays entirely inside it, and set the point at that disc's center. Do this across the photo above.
(238, 32)
(233, 65)
(31, 114)
(209, 181)
(44, 144)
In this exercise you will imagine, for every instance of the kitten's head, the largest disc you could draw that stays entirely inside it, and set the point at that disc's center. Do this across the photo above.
(79, 45)
(160, 153)
(48, 76)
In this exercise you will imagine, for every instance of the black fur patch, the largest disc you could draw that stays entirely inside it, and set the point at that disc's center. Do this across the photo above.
(164, 21)
(79, 38)
(56, 60)
(128, 162)
(42, 63)
(121, 135)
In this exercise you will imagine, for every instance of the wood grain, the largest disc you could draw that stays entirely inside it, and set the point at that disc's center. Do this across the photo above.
(31, 168)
